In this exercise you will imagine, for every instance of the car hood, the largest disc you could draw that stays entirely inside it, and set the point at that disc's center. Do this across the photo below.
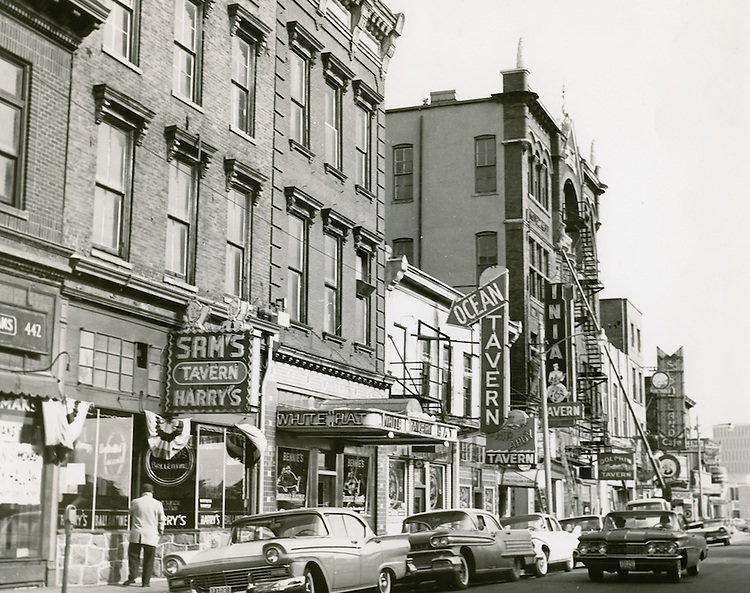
(249, 553)
(457, 536)
(629, 535)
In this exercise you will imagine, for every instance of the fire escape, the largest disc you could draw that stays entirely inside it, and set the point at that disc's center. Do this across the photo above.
(589, 367)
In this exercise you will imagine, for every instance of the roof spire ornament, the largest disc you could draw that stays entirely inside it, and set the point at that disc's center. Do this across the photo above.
(592, 157)
(564, 103)
(519, 54)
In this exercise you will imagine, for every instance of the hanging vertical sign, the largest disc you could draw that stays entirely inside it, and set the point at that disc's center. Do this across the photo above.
(494, 337)
(667, 385)
(558, 353)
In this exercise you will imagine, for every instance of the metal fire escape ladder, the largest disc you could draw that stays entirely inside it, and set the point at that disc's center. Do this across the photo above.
(591, 316)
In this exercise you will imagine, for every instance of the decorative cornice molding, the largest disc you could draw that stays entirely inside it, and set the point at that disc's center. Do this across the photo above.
(335, 223)
(328, 367)
(67, 22)
(366, 240)
(188, 147)
(110, 103)
(301, 203)
(302, 40)
(366, 96)
(244, 178)
(335, 71)
(240, 19)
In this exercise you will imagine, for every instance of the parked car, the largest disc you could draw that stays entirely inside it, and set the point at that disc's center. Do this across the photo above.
(457, 546)
(714, 530)
(554, 546)
(303, 550)
(581, 524)
(648, 540)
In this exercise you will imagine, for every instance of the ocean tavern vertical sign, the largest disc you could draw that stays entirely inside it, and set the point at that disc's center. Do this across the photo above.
(208, 372)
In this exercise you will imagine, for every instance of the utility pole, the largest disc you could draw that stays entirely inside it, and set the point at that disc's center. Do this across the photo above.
(545, 420)
(700, 470)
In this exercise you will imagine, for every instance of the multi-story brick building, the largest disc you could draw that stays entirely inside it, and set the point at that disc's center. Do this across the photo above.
(188, 177)
(497, 181)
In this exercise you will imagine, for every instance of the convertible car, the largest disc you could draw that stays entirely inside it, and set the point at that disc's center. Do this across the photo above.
(303, 550)
(457, 546)
(642, 541)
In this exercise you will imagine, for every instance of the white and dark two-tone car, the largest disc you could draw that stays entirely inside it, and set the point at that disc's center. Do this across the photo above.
(293, 551)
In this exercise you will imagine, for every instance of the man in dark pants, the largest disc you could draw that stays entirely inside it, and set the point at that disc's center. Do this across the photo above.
(147, 521)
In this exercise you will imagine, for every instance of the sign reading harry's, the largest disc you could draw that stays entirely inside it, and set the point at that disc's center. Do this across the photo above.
(208, 372)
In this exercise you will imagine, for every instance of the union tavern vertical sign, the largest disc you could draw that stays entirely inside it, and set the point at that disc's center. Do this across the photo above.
(208, 372)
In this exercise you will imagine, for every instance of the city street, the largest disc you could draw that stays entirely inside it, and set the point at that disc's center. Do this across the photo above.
(726, 570)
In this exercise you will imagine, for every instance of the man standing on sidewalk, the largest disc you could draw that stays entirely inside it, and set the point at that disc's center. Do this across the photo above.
(147, 521)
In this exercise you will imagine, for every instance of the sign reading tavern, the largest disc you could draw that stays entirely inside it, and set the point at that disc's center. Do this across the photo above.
(208, 372)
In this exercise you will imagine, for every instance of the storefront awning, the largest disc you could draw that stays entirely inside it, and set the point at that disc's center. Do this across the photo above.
(31, 385)
(368, 421)
(257, 439)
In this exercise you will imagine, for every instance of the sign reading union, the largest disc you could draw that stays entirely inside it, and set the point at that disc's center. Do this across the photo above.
(208, 372)
(402, 425)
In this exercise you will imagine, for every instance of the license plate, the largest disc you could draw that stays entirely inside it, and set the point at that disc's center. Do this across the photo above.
(624, 564)
(220, 589)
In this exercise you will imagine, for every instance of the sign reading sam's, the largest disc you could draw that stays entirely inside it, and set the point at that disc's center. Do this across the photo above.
(208, 372)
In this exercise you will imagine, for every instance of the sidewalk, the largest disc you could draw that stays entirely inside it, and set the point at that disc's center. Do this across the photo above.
(157, 586)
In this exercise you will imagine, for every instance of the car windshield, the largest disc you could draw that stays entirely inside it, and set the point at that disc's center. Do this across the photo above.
(641, 520)
(585, 523)
(264, 527)
(443, 520)
(533, 522)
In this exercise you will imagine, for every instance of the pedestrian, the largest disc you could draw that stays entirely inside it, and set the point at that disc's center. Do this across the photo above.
(147, 521)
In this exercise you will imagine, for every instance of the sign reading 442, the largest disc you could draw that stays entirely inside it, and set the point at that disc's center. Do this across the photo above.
(23, 329)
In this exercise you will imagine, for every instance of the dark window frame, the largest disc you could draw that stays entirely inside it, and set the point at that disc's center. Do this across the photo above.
(403, 173)
(485, 164)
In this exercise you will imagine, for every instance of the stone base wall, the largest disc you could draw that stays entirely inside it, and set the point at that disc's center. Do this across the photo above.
(101, 557)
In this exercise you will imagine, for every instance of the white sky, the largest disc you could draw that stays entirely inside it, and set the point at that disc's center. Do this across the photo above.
(662, 87)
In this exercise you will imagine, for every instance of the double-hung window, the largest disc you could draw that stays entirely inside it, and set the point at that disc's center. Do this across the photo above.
(446, 379)
(362, 148)
(538, 269)
(364, 302)
(332, 285)
(297, 269)
(300, 90)
(486, 243)
(113, 179)
(244, 54)
(122, 124)
(238, 206)
(467, 385)
(333, 126)
(403, 173)
(13, 108)
(187, 40)
(181, 213)
(121, 29)
(485, 165)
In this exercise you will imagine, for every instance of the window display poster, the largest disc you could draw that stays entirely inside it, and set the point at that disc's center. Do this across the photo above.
(437, 477)
(396, 490)
(291, 477)
(464, 497)
(489, 500)
(355, 482)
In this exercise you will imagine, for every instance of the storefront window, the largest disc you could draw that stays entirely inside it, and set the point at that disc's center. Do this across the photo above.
(356, 470)
(21, 466)
(437, 487)
(98, 475)
(291, 477)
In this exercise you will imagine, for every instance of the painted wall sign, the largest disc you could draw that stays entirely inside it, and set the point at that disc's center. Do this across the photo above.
(23, 329)
(494, 400)
(208, 372)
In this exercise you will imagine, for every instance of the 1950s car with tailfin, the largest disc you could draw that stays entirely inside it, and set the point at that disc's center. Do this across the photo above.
(457, 546)
(293, 551)
(647, 540)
